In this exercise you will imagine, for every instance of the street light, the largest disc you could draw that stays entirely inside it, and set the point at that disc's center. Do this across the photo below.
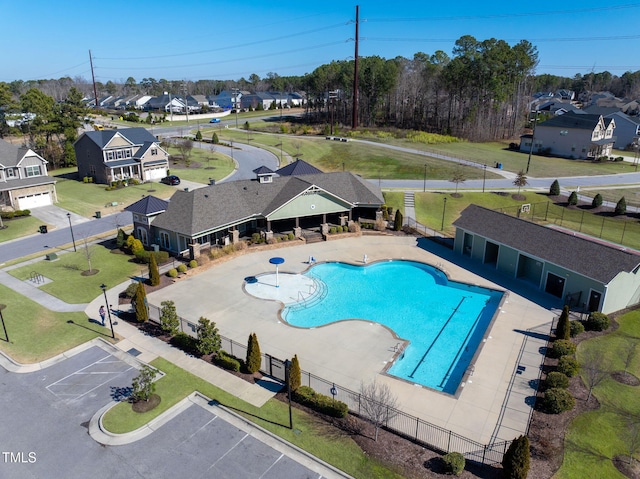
(424, 184)
(484, 176)
(6, 335)
(444, 208)
(71, 228)
(104, 291)
(533, 137)
(287, 374)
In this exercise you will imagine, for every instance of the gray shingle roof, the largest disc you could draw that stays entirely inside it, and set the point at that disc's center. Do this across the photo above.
(11, 154)
(298, 167)
(588, 258)
(216, 206)
(137, 136)
(572, 120)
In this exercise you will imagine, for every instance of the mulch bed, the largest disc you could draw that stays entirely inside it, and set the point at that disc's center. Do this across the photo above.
(144, 406)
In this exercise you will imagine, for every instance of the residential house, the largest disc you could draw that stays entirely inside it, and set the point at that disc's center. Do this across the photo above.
(128, 153)
(144, 211)
(24, 180)
(222, 213)
(558, 263)
(167, 103)
(627, 130)
(573, 135)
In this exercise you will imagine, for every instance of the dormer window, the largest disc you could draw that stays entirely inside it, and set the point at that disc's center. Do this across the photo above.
(266, 179)
(10, 173)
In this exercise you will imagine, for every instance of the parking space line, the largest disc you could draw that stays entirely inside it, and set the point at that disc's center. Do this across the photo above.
(75, 372)
(102, 383)
(229, 450)
(198, 430)
(271, 466)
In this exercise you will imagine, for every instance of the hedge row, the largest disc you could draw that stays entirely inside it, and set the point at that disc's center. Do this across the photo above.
(144, 256)
(227, 361)
(7, 215)
(319, 402)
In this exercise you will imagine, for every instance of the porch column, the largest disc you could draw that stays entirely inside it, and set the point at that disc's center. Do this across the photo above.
(297, 222)
(324, 217)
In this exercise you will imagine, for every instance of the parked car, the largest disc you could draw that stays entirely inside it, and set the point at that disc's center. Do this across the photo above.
(214, 120)
(170, 180)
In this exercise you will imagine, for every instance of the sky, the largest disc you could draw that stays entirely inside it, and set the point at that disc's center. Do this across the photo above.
(228, 40)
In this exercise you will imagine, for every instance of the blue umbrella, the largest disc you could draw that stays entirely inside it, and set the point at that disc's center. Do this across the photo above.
(277, 261)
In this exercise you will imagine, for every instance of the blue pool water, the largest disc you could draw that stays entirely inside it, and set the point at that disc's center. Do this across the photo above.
(443, 321)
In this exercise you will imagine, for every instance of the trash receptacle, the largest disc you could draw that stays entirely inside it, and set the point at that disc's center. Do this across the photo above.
(499, 166)
(98, 215)
(43, 229)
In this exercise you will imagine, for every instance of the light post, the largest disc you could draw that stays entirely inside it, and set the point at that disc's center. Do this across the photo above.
(235, 103)
(287, 373)
(104, 291)
(71, 228)
(444, 208)
(6, 335)
(533, 137)
(484, 175)
(424, 183)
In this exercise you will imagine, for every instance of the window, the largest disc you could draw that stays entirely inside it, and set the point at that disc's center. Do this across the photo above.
(154, 151)
(564, 132)
(164, 240)
(110, 155)
(119, 154)
(32, 171)
(10, 173)
(127, 153)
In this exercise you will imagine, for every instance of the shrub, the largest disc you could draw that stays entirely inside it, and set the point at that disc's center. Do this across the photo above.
(144, 256)
(199, 135)
(597, 322)
(120, 239)
(354, 227)
(453, 463)
(397, 224)
(562, 347)
(291, 236)
(557, 400)
(185, 342)
(380, 225)
(621, 207)
(182, 268)
(208, 337)
(130, 292)
(597, 201)
(568, 365)
(172, 273)
(154, 272)
(332, 230)
(556, 379)
(554, 189)
(319, 402)
(575, 328)
(169, 321)
(140, 303)
(573, 198)
(516, 460)
(254, 358)
(227, 361)
(193, 264)
(214, 138)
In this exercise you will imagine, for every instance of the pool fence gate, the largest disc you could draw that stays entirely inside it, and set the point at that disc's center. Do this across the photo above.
(405, 425)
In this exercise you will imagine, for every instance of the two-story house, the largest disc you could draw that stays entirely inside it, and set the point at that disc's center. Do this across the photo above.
(129, 153)
(574, 135)
(24, 181)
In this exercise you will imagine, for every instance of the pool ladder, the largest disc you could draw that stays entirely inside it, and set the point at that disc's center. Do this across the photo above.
(317, 293)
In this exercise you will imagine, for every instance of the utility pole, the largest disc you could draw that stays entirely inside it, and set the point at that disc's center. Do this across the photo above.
(93, 78)
(186, 102)
(354, 114)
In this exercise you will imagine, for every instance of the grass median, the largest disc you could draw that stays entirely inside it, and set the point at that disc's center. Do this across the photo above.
(308, 433)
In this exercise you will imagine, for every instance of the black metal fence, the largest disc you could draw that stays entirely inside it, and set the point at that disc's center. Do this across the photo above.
(399, 422)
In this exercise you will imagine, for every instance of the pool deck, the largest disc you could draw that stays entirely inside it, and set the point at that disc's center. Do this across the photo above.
(494, 403)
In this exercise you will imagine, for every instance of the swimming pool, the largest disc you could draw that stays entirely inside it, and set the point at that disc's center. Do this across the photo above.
(444, 321)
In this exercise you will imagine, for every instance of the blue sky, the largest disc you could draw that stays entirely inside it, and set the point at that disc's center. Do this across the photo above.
(223, 39)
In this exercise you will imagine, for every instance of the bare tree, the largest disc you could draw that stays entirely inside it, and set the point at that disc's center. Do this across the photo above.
(377, 404)
(628, 353)
(631, 436)
(596, 369)
(520, 181)
(88, 253)
(185, 146)
(457, 178)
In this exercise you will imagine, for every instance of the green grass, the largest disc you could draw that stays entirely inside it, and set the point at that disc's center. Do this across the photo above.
(19, 227)
(342, 452)
(204, 164)
(69, 285)
(595, 438)
(35, 333)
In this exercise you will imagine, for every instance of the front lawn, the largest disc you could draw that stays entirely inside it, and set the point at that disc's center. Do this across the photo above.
(69, 284)
(19, 227)
(35, 333)
(204, 164)
(308, 434)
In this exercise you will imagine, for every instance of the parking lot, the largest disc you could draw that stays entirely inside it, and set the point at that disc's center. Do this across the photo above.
(46, 417)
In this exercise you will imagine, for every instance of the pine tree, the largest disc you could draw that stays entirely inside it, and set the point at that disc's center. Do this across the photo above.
(209, 341)
(199, 135)
(597, 201)
(295, 375)
(516, 460)
(254, 357)
(397, 224)
(563, 330)
(154, 272)
(214, 138)
(554, 190)
(140, 303)
(169, 321)
(621, 207)
(120, 239)
(573, 198)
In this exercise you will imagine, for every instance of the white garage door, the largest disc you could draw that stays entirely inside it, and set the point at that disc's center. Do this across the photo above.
(33, 201)
(155, 173)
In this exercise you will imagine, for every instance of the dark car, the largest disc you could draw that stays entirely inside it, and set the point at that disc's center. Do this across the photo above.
(170, 180)
(214, 120)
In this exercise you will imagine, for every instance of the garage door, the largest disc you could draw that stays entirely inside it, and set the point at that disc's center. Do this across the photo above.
(28, 202)
(155, 173)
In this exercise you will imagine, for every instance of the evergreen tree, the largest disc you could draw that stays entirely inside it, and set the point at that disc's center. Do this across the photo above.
(621, 207)
(597, 201)
(208, 338)
(154, 272)
(140, 303)
(254, 358)
(520, 181)
(143, 385)
(563, 330)
(199, 135)
(214, 138)
(573, 198)
(516, 460)
(246, 125)
(295, 375)
(169, 321)
(397, 224)
(120, 239)
(554, 190)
